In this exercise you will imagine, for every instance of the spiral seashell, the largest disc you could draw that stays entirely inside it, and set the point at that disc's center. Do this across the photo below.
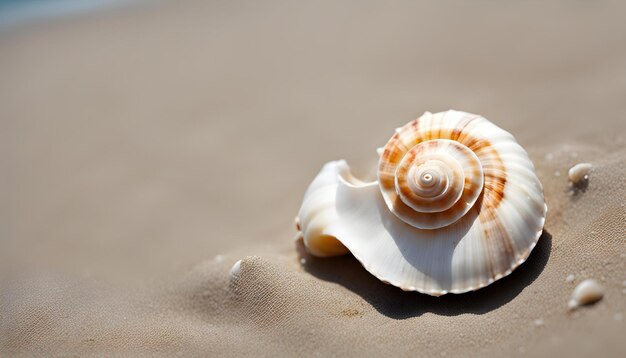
(457, 206)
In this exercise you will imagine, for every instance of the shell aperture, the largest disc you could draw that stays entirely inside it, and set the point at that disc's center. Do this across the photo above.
(457, 205)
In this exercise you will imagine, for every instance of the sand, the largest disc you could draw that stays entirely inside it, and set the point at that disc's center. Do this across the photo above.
(146, 150)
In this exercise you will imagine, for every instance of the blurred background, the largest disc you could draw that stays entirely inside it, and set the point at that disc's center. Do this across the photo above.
(139, 138)
(149, 127)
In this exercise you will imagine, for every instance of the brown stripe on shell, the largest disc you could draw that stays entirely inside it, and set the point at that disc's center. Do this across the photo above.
(489, 255)
(392, 155)
(494, 232)
(494, 172)
(496, 238)
(387, 181)
(438, 134)
(461, 131)
(458, 130)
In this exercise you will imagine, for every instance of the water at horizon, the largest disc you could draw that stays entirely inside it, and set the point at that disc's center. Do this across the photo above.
(17, 12)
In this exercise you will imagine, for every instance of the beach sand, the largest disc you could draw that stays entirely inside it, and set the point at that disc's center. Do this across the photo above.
(146, 150)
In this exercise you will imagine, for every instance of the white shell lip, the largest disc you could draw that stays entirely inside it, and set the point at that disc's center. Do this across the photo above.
(452, 259)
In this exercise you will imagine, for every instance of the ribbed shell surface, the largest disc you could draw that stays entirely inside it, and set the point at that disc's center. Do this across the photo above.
(502, 209)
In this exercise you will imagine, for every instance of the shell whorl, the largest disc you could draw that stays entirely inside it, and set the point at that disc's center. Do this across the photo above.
(433, 185)
(433, 170)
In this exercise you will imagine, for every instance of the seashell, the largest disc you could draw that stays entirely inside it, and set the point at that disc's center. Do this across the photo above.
(587, 292)
(457, 206)
(234, 272)
(579, 172)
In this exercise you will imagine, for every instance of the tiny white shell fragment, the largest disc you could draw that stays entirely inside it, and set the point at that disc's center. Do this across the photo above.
(296, 221)
(235, 271)
(569, 278)
(579, 172)
(538, 322)
(587, 292)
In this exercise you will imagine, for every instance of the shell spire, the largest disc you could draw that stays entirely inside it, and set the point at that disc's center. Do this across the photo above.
(457, 205)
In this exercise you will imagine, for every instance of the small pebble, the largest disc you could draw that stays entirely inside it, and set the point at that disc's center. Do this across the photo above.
(538, 322)
(587, 292)
(579, 172)
(570, 278)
